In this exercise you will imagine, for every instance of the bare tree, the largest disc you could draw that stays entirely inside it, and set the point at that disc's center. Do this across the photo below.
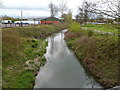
(109, 8)
(85, 12)
(79, 18)
(62, 6)
(53, 9)
(67, 17)
(106, 8)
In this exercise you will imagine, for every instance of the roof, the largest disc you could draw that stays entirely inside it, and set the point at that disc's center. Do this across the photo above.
(51, 19)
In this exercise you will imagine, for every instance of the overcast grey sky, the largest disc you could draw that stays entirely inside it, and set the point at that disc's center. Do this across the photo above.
(39, 8)
(34, 8)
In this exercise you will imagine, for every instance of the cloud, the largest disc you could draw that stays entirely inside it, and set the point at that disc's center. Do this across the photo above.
(34, 7)
(25, 4)
(26, 13)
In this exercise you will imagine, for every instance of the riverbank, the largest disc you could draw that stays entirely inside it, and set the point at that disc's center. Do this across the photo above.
(23, 50)
(97, 53)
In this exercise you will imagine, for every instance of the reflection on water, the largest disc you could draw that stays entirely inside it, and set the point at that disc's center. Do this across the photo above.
(62, 69)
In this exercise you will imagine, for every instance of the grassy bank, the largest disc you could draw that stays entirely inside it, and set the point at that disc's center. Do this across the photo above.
(22, 53)
(103, 27)
(97, 53)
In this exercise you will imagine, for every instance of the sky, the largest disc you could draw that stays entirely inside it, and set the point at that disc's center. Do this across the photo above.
(34, 8)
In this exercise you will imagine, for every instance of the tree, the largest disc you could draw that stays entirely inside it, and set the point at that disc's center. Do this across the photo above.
(53, 9)
(85, 12)
(109, 8)
(106, 8)
(62, 6)
(67, 17)
(100, 17)
(79, 18)
(64, 16)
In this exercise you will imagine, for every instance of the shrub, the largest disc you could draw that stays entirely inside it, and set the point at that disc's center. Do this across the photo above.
(75, 26)
(35, 45)
(34, 40)
(90, 33)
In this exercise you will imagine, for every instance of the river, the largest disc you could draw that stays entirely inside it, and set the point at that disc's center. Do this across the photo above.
(62, 69)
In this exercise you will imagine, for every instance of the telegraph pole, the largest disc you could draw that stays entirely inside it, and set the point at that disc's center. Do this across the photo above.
(21, 18)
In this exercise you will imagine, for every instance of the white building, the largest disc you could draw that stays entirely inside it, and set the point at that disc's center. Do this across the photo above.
(6, 21)
(27, 22)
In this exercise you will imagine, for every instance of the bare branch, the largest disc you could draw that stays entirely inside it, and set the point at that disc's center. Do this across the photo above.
(62, 6)
(53, 9)
(107, 7)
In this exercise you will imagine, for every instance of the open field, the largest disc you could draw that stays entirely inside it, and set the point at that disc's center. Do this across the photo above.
(97, 53)
(23, 49)
(103, 27)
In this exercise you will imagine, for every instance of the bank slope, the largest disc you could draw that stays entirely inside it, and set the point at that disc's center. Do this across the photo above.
(98, 54)
(22, 53)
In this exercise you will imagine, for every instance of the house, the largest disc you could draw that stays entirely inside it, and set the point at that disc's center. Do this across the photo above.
(50, 20)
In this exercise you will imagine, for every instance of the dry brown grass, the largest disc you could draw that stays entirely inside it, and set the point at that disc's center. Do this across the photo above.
(18, 47)
(98, 54)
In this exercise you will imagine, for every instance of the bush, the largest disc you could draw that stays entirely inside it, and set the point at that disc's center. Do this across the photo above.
(35, 45)
(75, 27)
(90, 33)
(34, 40)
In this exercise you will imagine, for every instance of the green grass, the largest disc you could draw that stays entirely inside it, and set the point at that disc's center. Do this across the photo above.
(103, 27)
(15, 66)
(22, 53)
(97, 53)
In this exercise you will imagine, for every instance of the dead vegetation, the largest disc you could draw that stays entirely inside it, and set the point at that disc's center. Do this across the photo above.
(98, 54)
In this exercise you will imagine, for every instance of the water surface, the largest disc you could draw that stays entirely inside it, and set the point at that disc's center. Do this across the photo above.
(62, 69)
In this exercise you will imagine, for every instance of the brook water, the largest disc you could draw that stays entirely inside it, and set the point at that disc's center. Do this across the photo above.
(62, 69)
